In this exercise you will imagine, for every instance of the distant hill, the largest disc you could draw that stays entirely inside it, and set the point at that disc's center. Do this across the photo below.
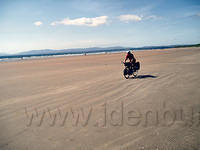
(33, 52)
(3, 54)
(75, 50)
(193, 45)
(96, 49)
(50, 52)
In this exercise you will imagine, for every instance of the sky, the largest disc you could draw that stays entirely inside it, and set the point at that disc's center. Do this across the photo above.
(62, 24)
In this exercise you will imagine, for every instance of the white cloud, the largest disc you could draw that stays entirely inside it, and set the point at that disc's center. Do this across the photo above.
(127, 18)
(153, 17)
(38, 23)
(91, 22)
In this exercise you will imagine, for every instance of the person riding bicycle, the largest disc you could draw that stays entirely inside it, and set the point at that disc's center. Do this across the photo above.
(131, 58)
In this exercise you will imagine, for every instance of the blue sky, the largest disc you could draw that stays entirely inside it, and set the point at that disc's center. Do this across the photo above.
(58, 24)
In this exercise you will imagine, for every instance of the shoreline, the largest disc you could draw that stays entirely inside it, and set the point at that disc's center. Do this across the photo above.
(49, 56)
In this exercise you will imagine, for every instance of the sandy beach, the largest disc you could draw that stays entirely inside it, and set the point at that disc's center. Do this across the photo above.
(85, 103)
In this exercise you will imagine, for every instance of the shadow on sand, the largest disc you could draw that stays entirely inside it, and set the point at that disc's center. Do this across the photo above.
(143, 77)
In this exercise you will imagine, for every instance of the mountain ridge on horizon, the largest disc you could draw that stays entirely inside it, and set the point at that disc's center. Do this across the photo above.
(91, 49)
